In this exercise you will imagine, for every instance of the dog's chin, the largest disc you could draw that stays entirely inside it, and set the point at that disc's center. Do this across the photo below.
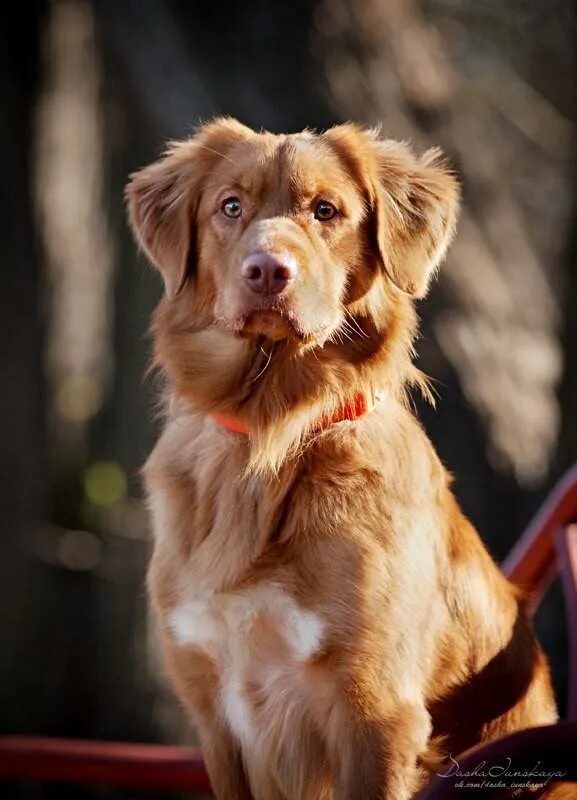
(270, 323)
(278, 324)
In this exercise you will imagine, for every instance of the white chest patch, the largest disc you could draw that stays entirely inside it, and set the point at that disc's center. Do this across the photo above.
(258, 635)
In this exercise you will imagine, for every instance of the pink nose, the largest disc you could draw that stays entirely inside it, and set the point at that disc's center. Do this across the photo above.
(266, 273)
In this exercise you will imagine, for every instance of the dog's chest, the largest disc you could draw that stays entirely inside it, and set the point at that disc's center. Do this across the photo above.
(259, 640)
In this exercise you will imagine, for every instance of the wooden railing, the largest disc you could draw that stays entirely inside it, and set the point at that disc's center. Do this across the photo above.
(548, 547)
(135, 766)
(532, 563)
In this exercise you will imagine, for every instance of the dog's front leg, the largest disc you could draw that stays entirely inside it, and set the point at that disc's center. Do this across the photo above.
(197, 684)
(224, 765)
(375, 755)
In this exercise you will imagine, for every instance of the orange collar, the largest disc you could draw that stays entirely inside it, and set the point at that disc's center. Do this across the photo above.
(359, 405)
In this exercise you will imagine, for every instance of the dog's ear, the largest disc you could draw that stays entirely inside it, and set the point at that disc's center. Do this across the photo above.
(161, 214)
(415, 206)
(162, 198)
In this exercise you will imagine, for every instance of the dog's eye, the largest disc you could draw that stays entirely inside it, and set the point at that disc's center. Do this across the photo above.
(325, 211)
(231, 207)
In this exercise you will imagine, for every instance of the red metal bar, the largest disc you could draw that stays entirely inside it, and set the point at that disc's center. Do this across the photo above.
(566, 546)
(532, 561)
(139, 766)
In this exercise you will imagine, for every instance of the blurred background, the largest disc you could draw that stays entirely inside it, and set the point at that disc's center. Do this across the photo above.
(90, 90)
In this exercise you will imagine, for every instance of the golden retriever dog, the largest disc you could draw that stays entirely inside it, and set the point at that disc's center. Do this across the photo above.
(329, 618)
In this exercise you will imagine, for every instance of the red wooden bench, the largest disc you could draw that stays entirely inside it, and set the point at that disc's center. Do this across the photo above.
(548, 547)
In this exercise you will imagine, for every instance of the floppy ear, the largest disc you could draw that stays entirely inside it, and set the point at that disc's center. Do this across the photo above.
(162, 198)
(160, 210)
(416, 204)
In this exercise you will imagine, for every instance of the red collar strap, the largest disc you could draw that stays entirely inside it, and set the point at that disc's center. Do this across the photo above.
(359, 405)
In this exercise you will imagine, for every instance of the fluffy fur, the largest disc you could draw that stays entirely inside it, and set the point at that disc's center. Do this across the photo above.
(331, 620)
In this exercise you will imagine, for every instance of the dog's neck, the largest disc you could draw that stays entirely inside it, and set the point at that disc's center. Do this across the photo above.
(281, 391)
(357, 406)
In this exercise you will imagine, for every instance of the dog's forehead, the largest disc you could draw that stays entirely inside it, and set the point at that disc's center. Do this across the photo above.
(304, 161)
(311, 160)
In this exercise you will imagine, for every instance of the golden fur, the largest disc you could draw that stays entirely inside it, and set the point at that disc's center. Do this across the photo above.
(330, 619)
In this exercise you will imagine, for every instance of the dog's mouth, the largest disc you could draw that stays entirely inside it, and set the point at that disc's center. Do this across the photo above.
(273, 323)
(277, 321)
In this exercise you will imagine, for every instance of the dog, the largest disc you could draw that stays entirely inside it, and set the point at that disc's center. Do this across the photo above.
(328, 616)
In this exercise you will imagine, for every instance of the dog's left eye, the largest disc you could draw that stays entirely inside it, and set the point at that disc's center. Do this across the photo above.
(325, 211)
(231, 207)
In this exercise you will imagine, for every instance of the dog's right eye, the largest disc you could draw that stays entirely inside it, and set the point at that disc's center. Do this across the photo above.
(231, 207)
(325, 211)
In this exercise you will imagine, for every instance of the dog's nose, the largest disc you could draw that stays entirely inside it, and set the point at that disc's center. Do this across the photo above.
(267, 273)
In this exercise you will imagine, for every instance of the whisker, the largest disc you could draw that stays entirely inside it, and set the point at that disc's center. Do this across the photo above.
(268, 357)
(347, 330)
(353, 321)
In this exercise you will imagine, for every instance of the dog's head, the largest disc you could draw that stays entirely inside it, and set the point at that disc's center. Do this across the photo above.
(290, 263)
(280, 236)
